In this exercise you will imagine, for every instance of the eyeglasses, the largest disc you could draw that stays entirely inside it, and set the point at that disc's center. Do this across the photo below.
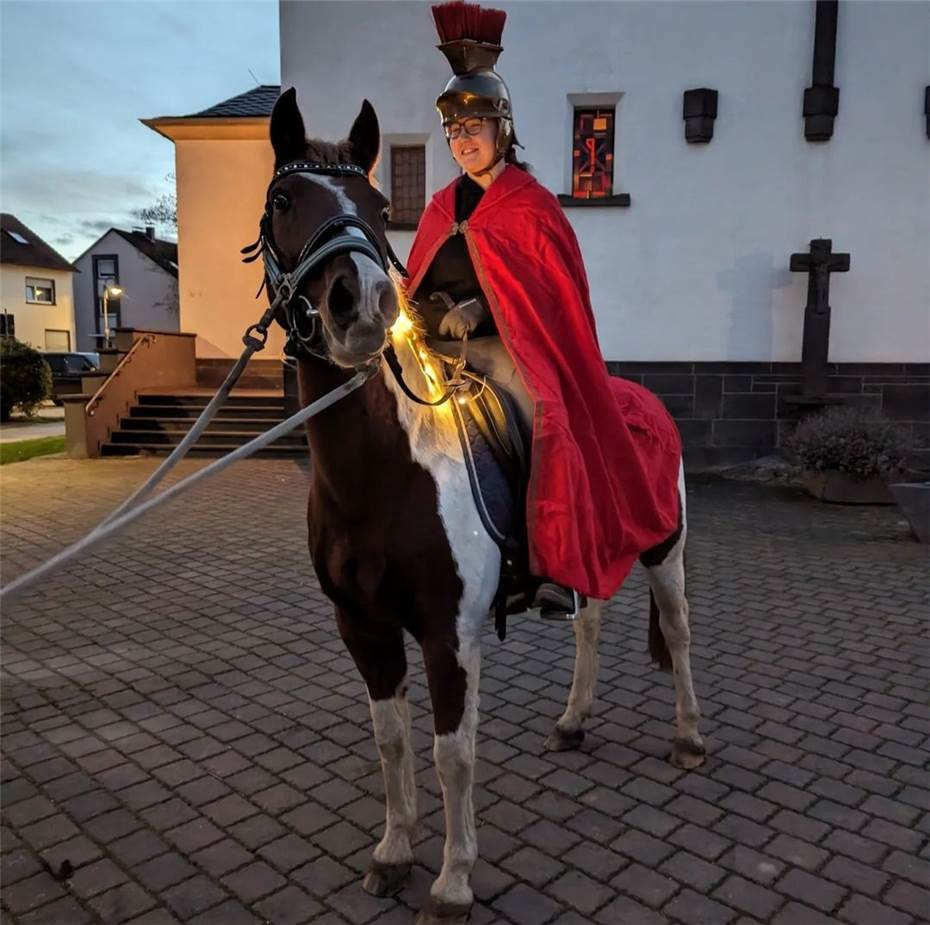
(471, 127)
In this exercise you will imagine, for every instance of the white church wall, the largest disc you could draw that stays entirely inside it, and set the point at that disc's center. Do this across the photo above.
(697, 267)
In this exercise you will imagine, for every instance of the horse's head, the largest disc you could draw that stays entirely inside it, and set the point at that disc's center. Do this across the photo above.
(323, 233)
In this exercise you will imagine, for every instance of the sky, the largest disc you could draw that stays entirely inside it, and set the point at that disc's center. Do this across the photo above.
(76, 77)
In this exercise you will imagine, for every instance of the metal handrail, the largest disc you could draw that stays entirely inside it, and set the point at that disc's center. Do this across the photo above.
(97, 397)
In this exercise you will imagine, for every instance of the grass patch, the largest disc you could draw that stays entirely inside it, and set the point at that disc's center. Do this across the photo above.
(25, 449)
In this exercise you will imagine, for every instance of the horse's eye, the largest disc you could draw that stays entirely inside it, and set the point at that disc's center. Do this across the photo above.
(386, 214)
(281, 202)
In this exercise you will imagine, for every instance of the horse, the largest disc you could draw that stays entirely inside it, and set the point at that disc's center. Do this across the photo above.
(394, 534)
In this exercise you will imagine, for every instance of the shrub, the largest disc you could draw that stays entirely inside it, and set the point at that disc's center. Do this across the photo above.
(853, 440)
(25, 378)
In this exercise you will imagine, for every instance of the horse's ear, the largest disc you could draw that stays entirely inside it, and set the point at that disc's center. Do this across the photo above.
(365, 138)
(288, 137)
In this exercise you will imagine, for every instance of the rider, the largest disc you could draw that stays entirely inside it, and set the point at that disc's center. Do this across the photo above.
(605, 455)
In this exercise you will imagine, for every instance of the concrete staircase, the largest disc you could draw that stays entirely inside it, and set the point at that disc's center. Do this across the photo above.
(159, 420)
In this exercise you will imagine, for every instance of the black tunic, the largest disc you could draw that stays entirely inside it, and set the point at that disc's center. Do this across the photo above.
(451, 270)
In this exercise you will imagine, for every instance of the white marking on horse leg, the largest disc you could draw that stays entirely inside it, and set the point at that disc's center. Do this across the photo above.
(673, 621)
(454, 754)
(667, 582)
(434, 444)
(587, 635)
(391, 719)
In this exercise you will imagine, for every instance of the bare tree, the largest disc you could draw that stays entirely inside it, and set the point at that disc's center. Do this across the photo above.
(164, 211)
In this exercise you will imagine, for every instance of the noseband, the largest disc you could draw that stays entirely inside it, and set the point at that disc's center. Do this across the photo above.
(331, 238)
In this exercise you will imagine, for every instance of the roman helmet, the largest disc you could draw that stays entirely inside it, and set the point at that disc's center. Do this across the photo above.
(470, 39)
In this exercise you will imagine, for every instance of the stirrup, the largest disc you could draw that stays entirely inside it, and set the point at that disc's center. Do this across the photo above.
(561, 616)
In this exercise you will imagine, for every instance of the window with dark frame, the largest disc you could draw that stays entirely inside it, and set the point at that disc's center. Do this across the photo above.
(41, 291)
(7, 325)
(106, 273)
(593, 153)
(408, 185)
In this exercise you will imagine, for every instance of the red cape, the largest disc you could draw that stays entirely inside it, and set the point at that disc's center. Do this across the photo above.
(606, 453)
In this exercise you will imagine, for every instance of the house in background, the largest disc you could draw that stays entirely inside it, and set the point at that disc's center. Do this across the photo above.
(693, 158)
(223, 163)
(36, 289)
(687, 233)
(144, 267)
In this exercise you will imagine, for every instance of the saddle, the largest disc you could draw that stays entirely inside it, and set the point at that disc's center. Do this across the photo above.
(496, 448)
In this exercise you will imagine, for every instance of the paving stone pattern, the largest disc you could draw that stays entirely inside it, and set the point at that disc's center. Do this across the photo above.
(186, 740)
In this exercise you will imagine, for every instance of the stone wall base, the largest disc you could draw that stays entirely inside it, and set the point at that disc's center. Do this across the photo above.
(731, 412)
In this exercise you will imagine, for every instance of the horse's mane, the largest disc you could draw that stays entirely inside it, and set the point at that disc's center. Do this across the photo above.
(408, 308)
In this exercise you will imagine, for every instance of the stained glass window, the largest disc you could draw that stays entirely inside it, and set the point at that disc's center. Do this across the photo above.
(408, 184)
(593, 153)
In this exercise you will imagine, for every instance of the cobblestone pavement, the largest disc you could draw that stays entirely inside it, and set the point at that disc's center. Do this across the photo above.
(183, 728)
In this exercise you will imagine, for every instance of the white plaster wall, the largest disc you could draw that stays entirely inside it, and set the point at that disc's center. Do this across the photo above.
(221, 196)
(150, 298)
(697, 267)
(33, 319)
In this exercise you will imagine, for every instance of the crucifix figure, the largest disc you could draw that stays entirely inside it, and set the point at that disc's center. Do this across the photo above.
(819, 263)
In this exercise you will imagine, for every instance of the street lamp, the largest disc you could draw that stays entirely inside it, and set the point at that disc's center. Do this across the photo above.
(107, 292)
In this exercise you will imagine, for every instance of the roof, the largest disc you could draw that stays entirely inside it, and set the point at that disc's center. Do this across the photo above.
(257, 102)
(164, 253)
(243, 116)
(34, 253)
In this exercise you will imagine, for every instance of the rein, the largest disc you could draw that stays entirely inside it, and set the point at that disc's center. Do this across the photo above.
(121, 518)
(283, 288)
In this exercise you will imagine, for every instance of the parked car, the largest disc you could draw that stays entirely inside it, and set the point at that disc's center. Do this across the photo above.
(66, 372)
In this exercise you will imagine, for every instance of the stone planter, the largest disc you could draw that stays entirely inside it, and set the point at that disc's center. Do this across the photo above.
(842, 488)
(914, 500)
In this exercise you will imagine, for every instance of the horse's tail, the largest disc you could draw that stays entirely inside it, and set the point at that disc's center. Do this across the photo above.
(658, 647)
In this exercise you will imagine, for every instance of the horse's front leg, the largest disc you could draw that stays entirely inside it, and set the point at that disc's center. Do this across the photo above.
(382, 662)
(453, 667)
(568, 732)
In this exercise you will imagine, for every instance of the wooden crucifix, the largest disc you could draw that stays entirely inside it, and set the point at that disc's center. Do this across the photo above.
(819, 264)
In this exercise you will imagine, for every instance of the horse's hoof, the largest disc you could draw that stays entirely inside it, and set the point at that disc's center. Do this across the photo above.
(436, 913)
(386, 879)
(687, 754)
(561, 741)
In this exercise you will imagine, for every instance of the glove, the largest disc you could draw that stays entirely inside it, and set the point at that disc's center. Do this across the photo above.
(462, 319)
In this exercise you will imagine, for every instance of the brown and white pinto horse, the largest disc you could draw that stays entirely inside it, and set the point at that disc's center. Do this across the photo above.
(394, 534)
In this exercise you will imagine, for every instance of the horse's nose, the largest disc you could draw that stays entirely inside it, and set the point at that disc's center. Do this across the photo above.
(343, 299)
(387, 301)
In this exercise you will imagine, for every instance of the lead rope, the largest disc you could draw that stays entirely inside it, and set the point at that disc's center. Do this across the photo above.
(252, 345)
(114, 524)
(285, 284)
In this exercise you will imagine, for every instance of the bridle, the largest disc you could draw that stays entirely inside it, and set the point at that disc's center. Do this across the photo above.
(301, 319)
